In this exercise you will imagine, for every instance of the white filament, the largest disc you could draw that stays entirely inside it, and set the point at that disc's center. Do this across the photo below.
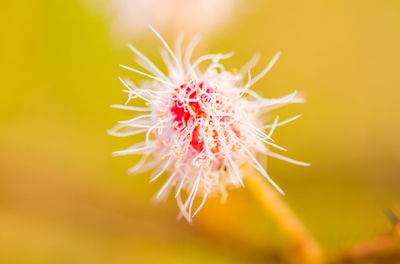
(218, 130)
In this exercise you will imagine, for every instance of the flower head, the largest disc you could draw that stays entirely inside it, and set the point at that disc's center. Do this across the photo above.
(200, 126)
(130, 17)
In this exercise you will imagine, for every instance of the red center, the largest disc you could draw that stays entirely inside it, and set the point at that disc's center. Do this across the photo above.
(183, 116)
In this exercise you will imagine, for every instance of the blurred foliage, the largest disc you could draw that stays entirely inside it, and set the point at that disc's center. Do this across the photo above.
(64, 199)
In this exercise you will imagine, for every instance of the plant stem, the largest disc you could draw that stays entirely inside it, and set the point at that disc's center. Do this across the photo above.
(382, 249)
(306, 248)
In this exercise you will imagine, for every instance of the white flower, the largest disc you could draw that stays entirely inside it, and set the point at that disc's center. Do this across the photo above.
(200, 126)
(130, 17)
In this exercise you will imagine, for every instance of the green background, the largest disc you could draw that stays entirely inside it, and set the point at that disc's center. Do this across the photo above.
(65, 199)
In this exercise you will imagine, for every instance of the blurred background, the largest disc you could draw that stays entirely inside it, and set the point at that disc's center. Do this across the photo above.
(65, 199)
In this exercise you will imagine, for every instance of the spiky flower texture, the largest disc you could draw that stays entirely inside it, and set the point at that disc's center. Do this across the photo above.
(200, 126)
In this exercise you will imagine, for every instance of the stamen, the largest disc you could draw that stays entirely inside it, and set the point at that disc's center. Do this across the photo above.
(199, 125)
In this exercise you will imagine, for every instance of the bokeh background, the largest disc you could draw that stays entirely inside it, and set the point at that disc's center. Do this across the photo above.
(65, 199)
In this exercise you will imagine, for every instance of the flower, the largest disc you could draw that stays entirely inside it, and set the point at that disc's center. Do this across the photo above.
(130, 17)
(199, 126)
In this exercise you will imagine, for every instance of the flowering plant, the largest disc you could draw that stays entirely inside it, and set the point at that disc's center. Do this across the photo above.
(200, 126)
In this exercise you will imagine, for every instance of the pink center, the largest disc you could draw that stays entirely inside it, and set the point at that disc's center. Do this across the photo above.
(196, 95)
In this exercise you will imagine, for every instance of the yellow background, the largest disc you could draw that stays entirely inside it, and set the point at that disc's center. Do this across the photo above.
(65, 199)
